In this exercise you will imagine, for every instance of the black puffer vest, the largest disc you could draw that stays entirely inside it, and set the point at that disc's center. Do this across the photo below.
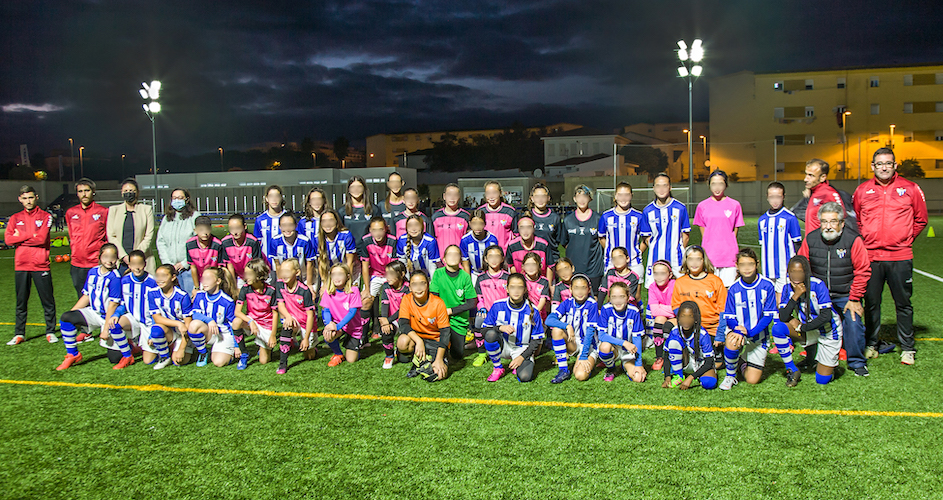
(831, 261)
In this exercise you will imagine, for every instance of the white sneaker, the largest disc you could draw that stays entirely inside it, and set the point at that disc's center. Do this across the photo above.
(162, 363)
(16, 340)
(388, 363)
(728, 383)
(907, 357)
(51, 338)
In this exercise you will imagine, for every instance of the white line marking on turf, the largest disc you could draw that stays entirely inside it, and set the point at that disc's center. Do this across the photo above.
(928, 275)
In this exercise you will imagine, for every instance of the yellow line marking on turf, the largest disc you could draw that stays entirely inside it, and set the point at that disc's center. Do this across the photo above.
(488, 402)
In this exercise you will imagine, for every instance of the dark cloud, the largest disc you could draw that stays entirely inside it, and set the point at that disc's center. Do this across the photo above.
(239, 72)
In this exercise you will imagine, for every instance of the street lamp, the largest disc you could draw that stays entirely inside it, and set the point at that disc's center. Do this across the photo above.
(844, 143)
(72, 162)
(122, 166)
(314, 159)
(704, 142)
(221, 168)
(82, 160)
(690, 70)
(892, 135)
(151, 93)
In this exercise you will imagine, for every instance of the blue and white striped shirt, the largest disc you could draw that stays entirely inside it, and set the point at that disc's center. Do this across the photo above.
(622, 230)
(134, 295)
(748, 305)
(101, 289)
(300, 249)
(424, 256)
(337, 249)
(820, 298)
(176, 307)
(473, 250)
(665, 225)
(219, 308)
(525, 320)
(778, 234)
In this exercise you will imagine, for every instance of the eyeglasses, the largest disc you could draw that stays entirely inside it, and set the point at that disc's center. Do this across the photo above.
(885, 164)
(831, 223)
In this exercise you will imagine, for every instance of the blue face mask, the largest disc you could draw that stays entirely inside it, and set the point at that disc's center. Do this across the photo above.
(178, 204)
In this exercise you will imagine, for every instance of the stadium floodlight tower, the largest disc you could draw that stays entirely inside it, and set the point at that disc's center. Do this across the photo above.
(151, 93)
(690, 70)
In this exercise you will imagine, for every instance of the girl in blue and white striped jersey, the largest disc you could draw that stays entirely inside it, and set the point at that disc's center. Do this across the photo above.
(619, 331)
(213, 313)
(417, 249)
(170, 308)
(573, 325)
(689, 349)
(100, 299)
(132, 317)
(513, 330)
(749, 311)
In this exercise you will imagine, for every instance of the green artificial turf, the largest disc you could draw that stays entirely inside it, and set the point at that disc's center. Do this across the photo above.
(82, 442)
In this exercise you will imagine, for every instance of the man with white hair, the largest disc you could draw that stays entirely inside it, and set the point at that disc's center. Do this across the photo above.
(838, 257)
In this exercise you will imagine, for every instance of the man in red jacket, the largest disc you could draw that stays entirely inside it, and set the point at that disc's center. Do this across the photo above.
(28, 231)
(87, 232)
(892, 211)
(819, 191)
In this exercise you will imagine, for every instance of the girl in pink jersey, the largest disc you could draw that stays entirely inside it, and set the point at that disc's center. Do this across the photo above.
(391, 296)
(296, 308)
(490, 287)
(340, 310)
(499, 216)
(450, 222)
(659, 307)
(561, 289)
(410, 208)
(538, 287)
(378, 250)
(261, 312)
(620, 272)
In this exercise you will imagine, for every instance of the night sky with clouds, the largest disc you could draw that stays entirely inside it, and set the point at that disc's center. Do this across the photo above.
(239, 73)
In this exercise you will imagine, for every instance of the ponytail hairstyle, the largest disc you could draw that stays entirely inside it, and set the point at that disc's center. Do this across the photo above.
(500, 190)
(531, 256)
(275, 187)
(367, 203)
(530, 201)
(748, 253)
(227, 281)
(173, 272)
(331, 288)
(309, 212)
(690, 305)
(260, 267)
(399, 268)
(389, 193)
(667, 177)
(533, 308)
(323, 257)
(477, 214)
(409, 240)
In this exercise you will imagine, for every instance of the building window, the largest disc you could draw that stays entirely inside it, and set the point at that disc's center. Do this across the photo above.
(840, 82)
(938, 135)
(938, 79)
(777, 85)
(780, 140)
(564, 151)
(908, 107)
(874, 137)
(809, 111)
(875, 81)
(780, 166)
(908, 80)
(809, 84)
(595, 148)
(875, 109)
(939, 107)
(778, 113)
(809, 139)
(551, 149)
(908, 136)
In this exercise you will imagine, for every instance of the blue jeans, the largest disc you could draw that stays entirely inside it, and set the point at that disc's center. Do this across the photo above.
(853, 334)
(185, 280)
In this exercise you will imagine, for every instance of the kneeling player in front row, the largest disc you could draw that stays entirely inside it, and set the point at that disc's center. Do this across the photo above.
(424, 330)
(807, 297)
(573, 323)
(689, 349)
(750, 308)
(213, 314)
(296, 309)
(340, 310)
(513, 330)
(132, 317)
(620, 333)
(100, 298)
(391, 296)
(261, 314)
(170, 309)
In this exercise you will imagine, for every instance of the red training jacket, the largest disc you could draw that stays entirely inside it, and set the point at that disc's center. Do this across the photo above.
(890, 217)
(32, 242)
(820, 195)
(87, 233)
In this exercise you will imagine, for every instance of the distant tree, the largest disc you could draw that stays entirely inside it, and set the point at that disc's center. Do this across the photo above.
(341, 145)
(733, 176)
(307, 145)
(649, 160)
(911, 169)
(514, 147)
(21, 173)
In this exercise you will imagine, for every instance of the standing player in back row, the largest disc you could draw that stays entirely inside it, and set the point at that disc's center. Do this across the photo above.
(450, 222)
(780, 236)
(667, 228)
(265, 228)
(499, 216)
(623, 226)
(581, 237)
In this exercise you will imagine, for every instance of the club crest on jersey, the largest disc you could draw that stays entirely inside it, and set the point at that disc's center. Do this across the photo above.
(901, 191)
(94, 216)
(841, 253)
(76, 216)
(431, 321)
(299, 300)
(460, 292)
(728, 213)
(816, 201)
(39, 223)
(220, 316)
(709, 294)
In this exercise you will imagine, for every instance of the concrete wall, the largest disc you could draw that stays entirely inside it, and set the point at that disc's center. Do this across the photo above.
(47, 191)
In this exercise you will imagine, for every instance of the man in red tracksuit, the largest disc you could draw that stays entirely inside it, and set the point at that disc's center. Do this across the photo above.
(892, 211)
(28, 231)
(820, 192)
(87, 232)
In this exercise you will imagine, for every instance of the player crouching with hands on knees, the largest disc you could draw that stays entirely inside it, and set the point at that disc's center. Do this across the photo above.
(296, 308)
(261, 312)
(213, 313)
(689, 349)
(170, 308)
(424, 330)
(513, 330)
(619, 333)
(573, 324)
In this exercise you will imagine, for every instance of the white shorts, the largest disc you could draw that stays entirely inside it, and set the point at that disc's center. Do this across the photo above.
(638, 269)
(754, 352)
(133, 334)
(263, 337)
(299, 332)
(376, 283)
(239, 283)
(146, 337)
(827, 353)
(780, 283)
(727, 274)
(509, 352)
(623, 355)
(649, 279)
(92, 320)
(224, 342)
(593, 352)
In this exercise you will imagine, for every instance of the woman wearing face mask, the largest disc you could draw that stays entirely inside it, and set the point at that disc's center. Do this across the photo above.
(131, 227)
(174, 231)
